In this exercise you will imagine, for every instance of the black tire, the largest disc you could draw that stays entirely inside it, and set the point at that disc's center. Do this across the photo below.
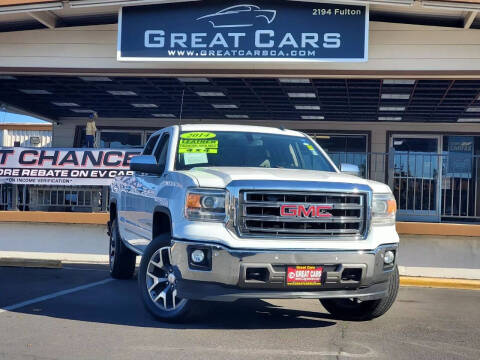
(122, 260)
(351, 309)
(156, 264)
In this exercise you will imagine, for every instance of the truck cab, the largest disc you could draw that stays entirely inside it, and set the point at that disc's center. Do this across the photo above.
(226, 212)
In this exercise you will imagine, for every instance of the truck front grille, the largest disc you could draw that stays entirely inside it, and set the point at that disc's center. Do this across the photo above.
(300, 214)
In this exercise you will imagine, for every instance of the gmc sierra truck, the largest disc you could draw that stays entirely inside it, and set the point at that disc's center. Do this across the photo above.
(227, 212)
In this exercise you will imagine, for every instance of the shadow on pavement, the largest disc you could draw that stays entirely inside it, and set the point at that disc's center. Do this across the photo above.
(118, 302)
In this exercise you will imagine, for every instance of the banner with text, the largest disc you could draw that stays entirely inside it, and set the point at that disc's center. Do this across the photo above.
(236, 30)
(51, 166)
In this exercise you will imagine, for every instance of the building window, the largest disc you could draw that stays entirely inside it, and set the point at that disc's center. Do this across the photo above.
(461, 176)
(436, 177)
(120, 139)
(345, 149)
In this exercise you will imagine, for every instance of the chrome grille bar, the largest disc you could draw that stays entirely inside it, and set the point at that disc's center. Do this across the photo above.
(258, 214)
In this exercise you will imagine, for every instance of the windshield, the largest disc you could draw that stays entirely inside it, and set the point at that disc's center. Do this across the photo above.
(245, 149)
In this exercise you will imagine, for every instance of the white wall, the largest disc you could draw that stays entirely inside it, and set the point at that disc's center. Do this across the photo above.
(392, 47)
(436, 256)
(23, 137)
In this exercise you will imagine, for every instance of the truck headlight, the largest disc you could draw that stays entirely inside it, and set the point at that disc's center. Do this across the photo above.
(205, 205)
(384, 208)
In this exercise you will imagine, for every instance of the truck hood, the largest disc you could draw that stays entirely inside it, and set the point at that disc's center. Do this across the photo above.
(220, 177)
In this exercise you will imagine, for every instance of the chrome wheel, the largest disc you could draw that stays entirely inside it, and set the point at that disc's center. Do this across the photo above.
(112, 251)
(161, 281)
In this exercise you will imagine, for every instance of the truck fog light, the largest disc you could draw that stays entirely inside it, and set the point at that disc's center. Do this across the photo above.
(389, 257)
(198, 256)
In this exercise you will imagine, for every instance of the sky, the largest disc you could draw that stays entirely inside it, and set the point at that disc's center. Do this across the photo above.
(6, 117)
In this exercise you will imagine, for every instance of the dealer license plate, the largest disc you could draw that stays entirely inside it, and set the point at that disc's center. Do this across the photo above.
(304, 275)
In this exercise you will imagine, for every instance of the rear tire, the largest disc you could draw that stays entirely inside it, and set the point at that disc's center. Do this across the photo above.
(157, 283)
(122, 260)
(351, 309)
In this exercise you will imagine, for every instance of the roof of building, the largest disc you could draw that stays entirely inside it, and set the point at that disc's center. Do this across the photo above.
(410, 100)
(26, 126)
(37, 14)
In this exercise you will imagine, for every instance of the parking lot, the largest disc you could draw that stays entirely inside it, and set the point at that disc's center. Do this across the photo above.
(83, 314)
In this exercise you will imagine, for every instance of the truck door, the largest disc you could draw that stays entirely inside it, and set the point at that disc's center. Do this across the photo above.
(130, 200)
(148, 187)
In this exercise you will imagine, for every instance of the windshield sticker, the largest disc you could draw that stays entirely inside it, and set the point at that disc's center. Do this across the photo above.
(311, 148)
(195, 158)
(198, 135)
(187, 146)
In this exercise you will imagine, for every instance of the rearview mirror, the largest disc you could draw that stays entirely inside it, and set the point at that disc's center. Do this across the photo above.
(146, 164)
(350, 169)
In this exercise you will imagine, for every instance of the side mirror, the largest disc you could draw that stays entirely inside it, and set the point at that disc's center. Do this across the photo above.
(146, 164)
(350, 169)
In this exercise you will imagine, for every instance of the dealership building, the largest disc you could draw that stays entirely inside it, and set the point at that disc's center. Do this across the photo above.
(392, 86)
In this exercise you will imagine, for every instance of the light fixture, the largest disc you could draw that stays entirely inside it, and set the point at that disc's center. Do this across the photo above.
(398, 82)
(396, 96)
(95, 78)
(164, 115)
(139, 105)
(307, 107)
(35, 92)
(313, 117)
(294, 80)
(198, 256)
(302, 95)
(450, 5)
(473, 109)
(466, 120)
(390, 118)
(122, 93)
(225, 106)
(58, 5)
(389, 257)
(93, 3)
(210, 93)
(387, 2)
(193, 79)
(65, 104)
(392, 108)
(7, 77)
(236, 116)
(82, 111)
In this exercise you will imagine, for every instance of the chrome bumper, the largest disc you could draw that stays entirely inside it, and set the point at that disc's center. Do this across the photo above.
(228, 279)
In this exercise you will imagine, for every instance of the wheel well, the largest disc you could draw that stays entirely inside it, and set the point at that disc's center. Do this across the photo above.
(113, 211)
(161, 224)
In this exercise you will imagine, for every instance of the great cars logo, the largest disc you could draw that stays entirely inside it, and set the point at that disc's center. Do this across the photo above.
(239, 16)
(307, 211)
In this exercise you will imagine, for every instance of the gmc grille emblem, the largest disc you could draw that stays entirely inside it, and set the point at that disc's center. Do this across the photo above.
(308, 211)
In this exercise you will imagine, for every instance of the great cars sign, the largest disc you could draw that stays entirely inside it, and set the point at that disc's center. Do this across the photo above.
(238, 30)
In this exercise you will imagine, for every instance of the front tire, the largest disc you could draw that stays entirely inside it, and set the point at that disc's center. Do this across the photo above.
(157, 283)
(352, 309)
(121, 259)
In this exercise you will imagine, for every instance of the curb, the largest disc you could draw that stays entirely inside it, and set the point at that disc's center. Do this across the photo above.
(440, 283)
(30, 263)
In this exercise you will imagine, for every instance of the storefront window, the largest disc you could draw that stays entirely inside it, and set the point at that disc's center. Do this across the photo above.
(415, 176)
(436, 177)
(120, 139)
(460, 180)
(345, 149)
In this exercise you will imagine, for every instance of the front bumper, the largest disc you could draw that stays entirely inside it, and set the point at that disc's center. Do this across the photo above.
(361, 274)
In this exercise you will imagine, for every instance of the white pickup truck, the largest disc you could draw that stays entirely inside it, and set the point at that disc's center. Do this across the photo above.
(227, 212)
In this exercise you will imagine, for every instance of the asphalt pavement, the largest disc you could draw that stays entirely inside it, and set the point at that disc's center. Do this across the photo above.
(78, 312)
